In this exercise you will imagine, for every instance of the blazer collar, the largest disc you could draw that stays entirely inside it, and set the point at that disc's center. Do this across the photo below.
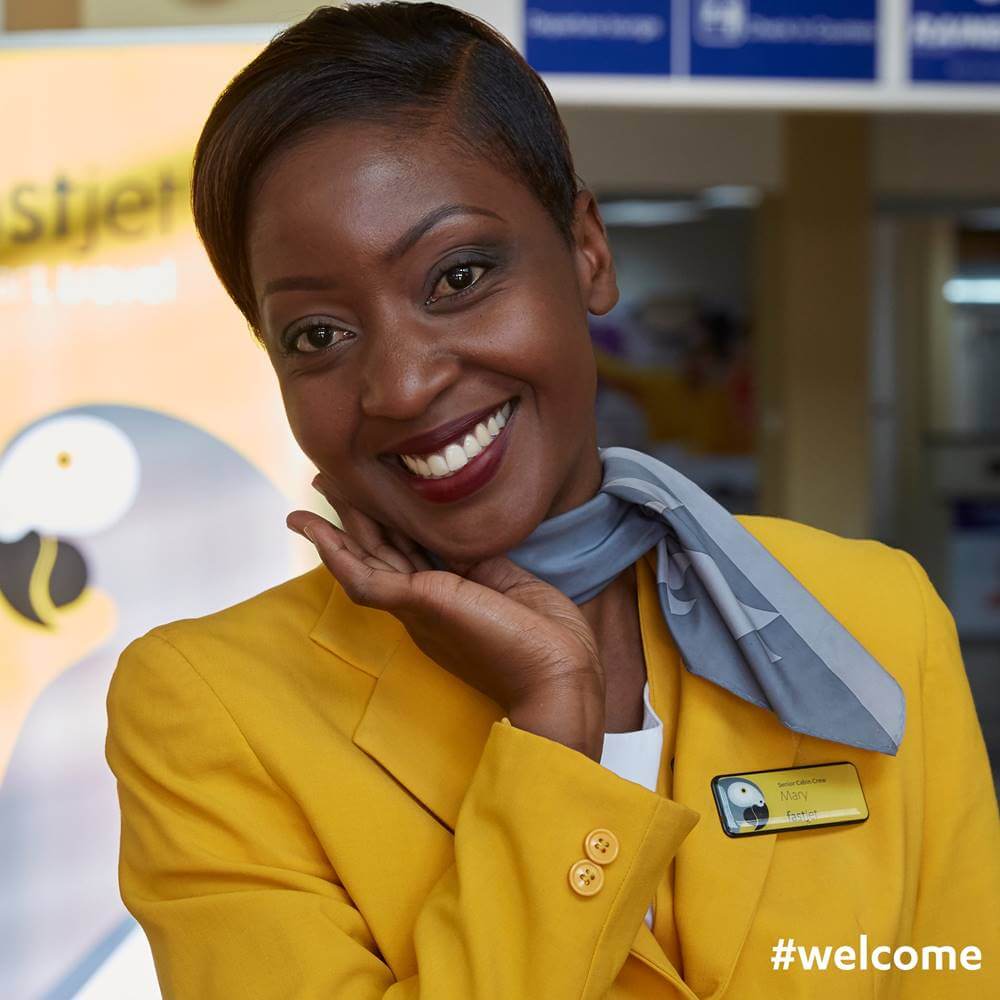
(428, 729)
(718, 880)
(422, 724)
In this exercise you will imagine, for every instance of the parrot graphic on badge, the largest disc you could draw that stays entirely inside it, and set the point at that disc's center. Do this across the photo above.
(745, 801)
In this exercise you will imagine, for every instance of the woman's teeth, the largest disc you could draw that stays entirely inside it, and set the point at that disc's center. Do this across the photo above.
(456, 455)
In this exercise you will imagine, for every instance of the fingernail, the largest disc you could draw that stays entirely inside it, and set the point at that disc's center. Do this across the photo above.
(305, 531)
(313, 483)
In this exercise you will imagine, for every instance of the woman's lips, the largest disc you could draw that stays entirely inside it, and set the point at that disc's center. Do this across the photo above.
(431, 441)
(470, 478)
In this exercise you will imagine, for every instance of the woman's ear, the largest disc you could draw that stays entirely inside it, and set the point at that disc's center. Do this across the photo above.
(595, 266)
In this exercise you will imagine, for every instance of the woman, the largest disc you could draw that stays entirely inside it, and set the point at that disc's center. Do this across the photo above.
(396, 774)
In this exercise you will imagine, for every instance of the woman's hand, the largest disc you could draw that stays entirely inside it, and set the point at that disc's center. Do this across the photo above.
(497, 627)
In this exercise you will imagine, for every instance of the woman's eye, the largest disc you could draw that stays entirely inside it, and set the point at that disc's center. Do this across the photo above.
(456, 280)
(316, 337)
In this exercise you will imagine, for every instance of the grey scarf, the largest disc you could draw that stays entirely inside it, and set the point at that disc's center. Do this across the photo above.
(739, 618)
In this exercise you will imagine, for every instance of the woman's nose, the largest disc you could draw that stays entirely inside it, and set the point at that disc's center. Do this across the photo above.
(400, 380)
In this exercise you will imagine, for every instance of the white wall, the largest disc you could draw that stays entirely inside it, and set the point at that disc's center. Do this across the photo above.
(626, 151)
(931, 155)
(937, 154)
(709, 259)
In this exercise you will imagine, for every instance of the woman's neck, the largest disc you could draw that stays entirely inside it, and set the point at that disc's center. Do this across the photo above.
(613, 615)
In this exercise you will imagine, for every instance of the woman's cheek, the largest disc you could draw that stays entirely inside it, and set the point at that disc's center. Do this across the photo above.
(304, 427)
(317, 435)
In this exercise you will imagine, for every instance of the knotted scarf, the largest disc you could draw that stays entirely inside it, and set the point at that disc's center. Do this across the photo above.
(738, 617)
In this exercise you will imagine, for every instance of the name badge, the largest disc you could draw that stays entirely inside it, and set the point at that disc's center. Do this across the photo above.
(796, 798)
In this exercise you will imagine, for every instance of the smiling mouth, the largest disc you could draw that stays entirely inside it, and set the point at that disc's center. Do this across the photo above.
(466, 446)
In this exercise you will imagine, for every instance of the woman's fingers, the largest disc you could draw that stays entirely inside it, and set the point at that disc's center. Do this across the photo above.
(298, 519)
(388, 544)
(340, 538)
(367, 579)
(372, 535)
(409, 548)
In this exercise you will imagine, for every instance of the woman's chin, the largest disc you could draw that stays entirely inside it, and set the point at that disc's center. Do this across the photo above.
(461, 558)
(462, 553)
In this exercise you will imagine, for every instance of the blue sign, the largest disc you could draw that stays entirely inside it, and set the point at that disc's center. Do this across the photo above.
(598, 36)
(812, 39)
(955, 41)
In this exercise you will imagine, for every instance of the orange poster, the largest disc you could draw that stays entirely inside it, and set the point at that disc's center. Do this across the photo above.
(146, 466)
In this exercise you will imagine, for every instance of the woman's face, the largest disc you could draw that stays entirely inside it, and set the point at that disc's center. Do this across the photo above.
(408, 294)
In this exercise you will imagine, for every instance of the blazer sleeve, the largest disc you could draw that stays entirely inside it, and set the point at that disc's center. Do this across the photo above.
(237, 899)
(959, 876)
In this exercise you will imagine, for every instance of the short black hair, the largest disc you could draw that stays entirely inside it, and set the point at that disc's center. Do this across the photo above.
(406, 65)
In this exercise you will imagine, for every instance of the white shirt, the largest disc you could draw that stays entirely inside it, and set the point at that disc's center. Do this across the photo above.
(636, 755)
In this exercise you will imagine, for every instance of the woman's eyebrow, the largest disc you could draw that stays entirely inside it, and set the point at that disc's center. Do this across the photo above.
(405, 242)
(428, 222)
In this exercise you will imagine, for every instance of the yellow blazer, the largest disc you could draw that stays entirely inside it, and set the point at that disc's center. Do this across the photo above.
(313, 809)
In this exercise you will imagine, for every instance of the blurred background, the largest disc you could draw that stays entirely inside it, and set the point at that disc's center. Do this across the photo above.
(804, 202)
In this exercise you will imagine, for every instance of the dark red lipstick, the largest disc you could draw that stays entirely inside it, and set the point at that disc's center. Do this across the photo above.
(471, 477)
(434, 440)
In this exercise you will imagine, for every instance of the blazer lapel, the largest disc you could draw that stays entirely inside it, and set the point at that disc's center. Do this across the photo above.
(718, 880)
(428, 729)
(422, 724)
